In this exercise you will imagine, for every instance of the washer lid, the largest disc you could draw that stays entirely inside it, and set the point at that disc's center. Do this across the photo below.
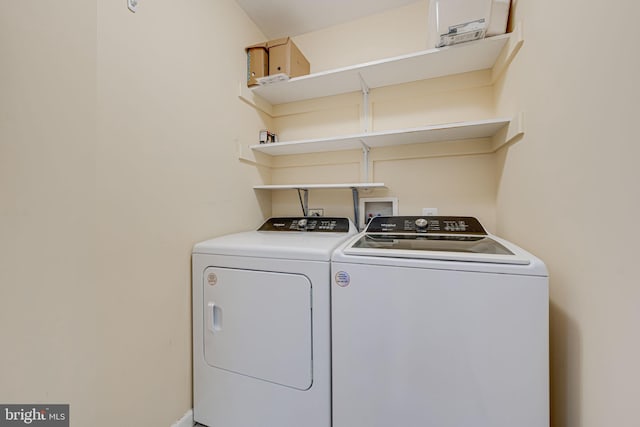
(433, 242)
(435, 237)
(434, 246)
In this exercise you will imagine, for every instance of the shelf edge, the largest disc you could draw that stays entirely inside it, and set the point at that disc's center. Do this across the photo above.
(515, 42)
(251, 98)
(510, 134)
(363, 185)
(348, 139)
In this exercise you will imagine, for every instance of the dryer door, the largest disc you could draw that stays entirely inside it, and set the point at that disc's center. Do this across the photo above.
(258, 324)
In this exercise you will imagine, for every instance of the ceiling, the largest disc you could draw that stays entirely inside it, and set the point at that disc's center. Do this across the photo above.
(280, 18)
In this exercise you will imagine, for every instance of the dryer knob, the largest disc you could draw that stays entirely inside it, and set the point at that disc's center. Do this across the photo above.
(302, 223)
(421, 223)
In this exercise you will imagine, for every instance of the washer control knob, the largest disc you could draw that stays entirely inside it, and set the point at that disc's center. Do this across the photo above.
(421, 223)
(302, 223)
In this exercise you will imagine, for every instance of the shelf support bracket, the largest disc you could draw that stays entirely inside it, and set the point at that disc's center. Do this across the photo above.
(303, 195)
(516, 39)
(356, 205)
(365, 161)
(365, 104)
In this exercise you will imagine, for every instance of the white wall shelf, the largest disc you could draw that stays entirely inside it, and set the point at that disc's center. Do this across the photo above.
(427, 64)
(360, 185)
(445, 132)
(494, 53)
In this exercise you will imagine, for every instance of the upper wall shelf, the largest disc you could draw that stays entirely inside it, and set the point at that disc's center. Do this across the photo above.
(444, 132)
(427, 64)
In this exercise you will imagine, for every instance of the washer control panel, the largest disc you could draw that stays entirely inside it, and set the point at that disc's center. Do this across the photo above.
(429, 224)
(308, 224)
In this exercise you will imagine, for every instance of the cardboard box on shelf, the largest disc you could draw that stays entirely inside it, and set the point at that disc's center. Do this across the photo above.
(257, 63)
(285, 57)
(280, 57)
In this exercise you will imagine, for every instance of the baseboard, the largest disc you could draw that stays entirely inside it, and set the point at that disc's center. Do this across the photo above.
(185, 421)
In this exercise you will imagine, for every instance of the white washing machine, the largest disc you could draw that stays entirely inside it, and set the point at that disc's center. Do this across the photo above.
(437, 323)
(261, 324)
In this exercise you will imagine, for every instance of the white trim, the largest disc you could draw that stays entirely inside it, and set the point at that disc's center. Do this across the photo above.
(185, 421)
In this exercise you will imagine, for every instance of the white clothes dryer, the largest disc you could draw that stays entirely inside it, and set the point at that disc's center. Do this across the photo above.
(261, 324)
(437, 323)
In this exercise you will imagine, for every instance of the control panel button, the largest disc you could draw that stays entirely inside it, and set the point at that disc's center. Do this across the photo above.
(421, 223)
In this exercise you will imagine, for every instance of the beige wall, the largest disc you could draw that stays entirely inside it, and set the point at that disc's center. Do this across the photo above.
(395, 32)
(118, 151)
(568, 192)
(48, 287)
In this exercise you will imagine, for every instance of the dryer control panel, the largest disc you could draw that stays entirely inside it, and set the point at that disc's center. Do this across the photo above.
(426, 224)
(307, 224)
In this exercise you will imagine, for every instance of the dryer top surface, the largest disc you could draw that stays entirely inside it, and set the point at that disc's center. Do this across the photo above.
(281, 244)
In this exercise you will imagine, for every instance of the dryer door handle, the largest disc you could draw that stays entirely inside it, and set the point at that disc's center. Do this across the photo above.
(214, 317)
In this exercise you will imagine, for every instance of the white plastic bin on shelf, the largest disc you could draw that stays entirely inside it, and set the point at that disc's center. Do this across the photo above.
(499, 17)
(456, 21)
